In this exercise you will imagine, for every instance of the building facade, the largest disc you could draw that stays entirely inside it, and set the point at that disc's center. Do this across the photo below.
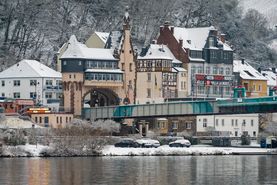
(229, 125)
(252, 80)
(160, 75)
(29, 79)
(99, 76)
(53, 120)
(206, 56)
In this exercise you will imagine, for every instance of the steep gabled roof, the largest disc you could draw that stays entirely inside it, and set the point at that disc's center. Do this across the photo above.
(103, 36)
(157, 51)
(193, 38)
(246, 71)
(271, 77)
(29, 68)
(80, 51)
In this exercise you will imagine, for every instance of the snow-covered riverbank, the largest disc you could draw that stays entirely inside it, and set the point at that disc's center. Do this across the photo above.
(110, 150)
(193, 150)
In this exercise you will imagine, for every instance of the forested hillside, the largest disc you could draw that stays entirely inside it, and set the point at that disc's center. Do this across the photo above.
(35, 29)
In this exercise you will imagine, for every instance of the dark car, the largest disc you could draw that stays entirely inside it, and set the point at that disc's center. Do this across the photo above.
(127, 143)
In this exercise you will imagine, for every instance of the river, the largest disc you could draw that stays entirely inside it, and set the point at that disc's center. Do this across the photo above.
(141, 170)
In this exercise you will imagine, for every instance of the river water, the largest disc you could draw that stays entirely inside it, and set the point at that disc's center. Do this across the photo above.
(140, 170)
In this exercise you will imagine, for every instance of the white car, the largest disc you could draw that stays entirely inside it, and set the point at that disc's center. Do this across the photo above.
(180, 143)
(148, 143)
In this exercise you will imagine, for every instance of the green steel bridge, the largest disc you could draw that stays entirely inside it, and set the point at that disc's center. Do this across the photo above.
(184, 108)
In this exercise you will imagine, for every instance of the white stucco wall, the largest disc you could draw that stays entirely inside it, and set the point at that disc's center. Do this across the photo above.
(252, 129)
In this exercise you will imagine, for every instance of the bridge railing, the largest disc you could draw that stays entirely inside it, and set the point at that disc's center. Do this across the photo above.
(247, 101)
(150, 110)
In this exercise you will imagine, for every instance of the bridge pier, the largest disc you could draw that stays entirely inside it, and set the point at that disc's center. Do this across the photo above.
(143, 128)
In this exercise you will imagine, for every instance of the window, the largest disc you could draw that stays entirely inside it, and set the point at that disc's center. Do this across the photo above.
(149, 77)
(40, 119)
(199, 69)
(123, 66)
(16, 83)
(130, 67)
(216, 122)
(252, 122)
(221, 70)
(3, 94)
(80, 63)
(236, 123)
(69, 76)
(175, 125)
(57, 119)
(148, 93)
(243, 123)
(183, 85)
(64, 63)
(205, 122)
(227, 71)
(193, 70)
(236, 133)
(214, 70)
(50, 82)
(232, 122)
(61, 120)
(36, 119)
(33, 95)
(208, 70)
(222, 122)
(33, 82)
(260, 88)
(66, 119)
(254, 133)
(188, 125)
(48, 95)
(16, 95)
(3, 83)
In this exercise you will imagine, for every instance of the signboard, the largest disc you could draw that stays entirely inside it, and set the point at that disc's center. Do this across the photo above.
(24, 102)
(203, 77)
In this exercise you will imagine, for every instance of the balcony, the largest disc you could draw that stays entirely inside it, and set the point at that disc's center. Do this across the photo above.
(103, 83)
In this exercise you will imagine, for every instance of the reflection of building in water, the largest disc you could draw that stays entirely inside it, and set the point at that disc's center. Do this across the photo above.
(238, 169)
(38, 171)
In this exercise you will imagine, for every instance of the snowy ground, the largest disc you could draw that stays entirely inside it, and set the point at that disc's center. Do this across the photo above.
(23, 150)
(193, 150)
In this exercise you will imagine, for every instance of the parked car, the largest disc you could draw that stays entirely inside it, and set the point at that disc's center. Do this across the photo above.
(148, 143)
(180, 143)
(127, 143)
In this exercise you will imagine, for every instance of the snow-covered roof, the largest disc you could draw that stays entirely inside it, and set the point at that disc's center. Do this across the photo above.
(78, 50)
(31, 69)
(246, 71)
(271, 77)
(104, 70)
(180, 69)
(193, 38)
(103, 36)
(157, 51)
(196, 59)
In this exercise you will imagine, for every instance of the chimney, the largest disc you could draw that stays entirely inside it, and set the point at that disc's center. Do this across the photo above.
(213, 31)
(166, 24)
(181, 42)
(260, 70)
(172, 29)
(242, 61)
(161, 29)
(274, 70)
(222, 37)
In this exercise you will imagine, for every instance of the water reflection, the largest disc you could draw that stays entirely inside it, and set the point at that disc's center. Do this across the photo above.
(140, 170)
